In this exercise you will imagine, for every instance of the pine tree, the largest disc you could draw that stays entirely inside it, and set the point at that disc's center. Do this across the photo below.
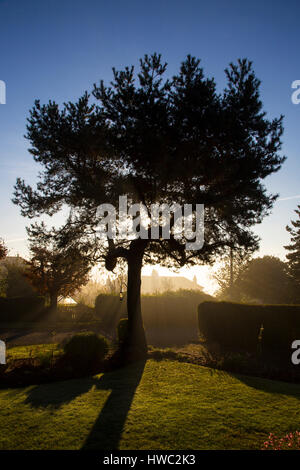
(293, 249)
(158, 140)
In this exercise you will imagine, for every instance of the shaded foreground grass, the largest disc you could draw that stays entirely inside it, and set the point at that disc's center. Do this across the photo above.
(157, 405)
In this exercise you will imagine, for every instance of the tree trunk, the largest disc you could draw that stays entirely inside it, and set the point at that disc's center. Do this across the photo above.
(136, 339)
(53, 301)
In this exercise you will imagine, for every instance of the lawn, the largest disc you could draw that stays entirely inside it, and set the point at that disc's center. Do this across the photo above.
(35, 350)
(157, 405)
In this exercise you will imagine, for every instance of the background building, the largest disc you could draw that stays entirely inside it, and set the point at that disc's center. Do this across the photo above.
(156, 283)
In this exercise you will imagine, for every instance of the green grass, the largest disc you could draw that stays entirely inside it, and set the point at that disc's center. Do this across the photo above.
(35, 350)
(159, 405)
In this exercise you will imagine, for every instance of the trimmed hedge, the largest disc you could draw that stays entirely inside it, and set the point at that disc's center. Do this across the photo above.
(109, 310)
(14, 309)
(169, 318)
(236, 326)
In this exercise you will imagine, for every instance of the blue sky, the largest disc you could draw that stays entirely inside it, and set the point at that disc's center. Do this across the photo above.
(58, 49)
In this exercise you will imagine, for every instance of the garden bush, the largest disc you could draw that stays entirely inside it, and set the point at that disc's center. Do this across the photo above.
(86, 348)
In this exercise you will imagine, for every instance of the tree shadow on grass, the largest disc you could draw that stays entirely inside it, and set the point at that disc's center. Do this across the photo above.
(56, 394)
(107, 429)
(270, 385)
(264, 384)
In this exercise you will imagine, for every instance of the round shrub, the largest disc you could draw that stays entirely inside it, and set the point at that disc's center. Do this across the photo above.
(122, 330)
(86, 348)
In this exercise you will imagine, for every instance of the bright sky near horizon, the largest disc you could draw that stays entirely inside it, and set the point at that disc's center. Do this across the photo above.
(57, 49)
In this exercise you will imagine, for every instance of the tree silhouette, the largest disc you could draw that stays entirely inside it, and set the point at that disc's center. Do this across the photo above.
(3, 249)
(15, 281)
(229, 271)
(264, 279)
(293, 249)
(59, 264)
(158, 140)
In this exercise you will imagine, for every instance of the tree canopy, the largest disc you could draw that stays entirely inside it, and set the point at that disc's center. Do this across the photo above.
(293, 249)
(59, 265)
(264, 280)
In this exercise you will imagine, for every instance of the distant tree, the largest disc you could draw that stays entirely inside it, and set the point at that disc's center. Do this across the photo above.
(3, 272)
(13, 281)
(59, 262)
(16, 280)
(264, 280)
(229, 271)
(158, 140)
(3, 249)
(293, 256)
(87, 294)
(166, 285)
